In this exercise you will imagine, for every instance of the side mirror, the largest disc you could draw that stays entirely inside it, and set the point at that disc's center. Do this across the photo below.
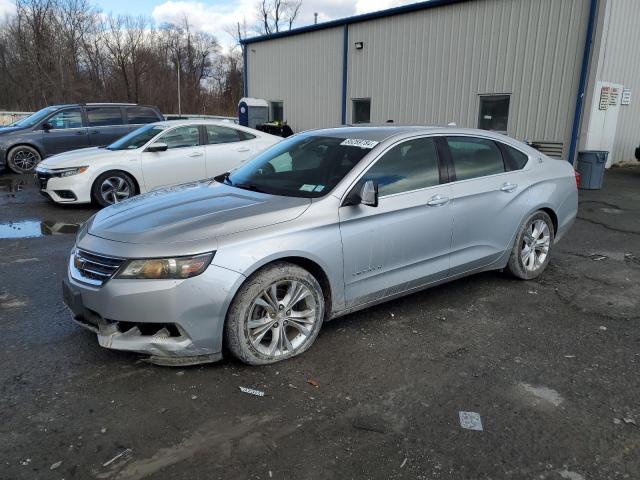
(157, 147)
(369, 194)
(46, 126)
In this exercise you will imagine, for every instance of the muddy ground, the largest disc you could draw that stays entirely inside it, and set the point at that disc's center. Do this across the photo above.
(551, 366)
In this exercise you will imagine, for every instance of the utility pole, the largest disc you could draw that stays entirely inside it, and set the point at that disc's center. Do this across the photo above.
(178, 69)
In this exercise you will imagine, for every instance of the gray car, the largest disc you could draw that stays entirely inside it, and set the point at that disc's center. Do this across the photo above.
(322, 224)
(60, 128)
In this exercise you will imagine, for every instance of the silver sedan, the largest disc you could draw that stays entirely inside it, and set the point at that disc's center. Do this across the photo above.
(322, 224)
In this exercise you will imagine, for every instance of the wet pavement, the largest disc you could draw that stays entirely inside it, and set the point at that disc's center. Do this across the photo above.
(551, 367)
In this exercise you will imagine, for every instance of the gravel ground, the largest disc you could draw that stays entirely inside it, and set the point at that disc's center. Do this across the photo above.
(551, 367)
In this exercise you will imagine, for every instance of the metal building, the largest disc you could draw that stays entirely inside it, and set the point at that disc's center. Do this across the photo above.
(561, 74)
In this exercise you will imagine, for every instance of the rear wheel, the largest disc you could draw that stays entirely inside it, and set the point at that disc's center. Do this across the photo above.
(112, 187)
(532, 248)
(23, 159)
(275, 315)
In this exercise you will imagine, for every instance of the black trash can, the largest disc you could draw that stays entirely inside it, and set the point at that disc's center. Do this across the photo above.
(591, 165)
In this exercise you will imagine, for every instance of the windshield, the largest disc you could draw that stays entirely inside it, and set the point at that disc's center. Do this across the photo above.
(300, 166)
(34, 118)
(137, 138)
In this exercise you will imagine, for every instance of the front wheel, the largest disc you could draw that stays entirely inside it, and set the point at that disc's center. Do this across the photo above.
(23, 159)
(275, 315)
(532, 248)
(112, 187)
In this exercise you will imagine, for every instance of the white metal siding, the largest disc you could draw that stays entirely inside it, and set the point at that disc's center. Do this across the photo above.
(618, 61)
(430, 66)
(305, 72)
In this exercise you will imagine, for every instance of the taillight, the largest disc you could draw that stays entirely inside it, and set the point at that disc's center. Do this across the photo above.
(577, 179)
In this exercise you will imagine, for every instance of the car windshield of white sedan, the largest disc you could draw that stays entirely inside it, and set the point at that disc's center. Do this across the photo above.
(300, 166)
(137, 138)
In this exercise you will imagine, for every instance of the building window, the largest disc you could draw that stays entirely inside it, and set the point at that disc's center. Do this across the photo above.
(494, 112)
(277, 111)
(362, 110)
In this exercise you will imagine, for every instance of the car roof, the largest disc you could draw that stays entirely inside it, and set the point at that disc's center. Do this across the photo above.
(383, 132)
(196, 121)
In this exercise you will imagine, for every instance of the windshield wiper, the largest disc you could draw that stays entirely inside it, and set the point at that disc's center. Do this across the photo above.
(249, 186)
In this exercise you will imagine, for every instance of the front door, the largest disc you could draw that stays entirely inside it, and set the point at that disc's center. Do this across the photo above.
(488, 203)
(182, 162)
(403, 243)
(66, 132)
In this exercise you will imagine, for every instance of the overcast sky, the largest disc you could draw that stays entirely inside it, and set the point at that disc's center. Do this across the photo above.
(214, 16)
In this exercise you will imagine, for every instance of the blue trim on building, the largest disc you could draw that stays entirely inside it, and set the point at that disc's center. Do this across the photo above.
(345, 70)
(584, 74)
(245, 72)
(414, 7)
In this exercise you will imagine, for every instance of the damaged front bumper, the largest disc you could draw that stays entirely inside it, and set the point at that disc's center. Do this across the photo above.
(175, 322)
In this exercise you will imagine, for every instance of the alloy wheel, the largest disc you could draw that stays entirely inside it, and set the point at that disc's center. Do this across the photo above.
(281, 318)
(25, 160)
(535, 245)
(114, 190)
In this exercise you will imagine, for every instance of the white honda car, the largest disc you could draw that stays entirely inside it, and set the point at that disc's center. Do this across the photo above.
(154, 156)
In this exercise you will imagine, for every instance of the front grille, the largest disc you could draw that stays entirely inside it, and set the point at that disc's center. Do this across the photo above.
(93, 268)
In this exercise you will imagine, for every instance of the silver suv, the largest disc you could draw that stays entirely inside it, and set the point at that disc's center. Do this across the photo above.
(322, 224)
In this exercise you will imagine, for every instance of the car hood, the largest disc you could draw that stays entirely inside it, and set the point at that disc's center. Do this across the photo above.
(192, 212)
(11, 129)
(77, 158)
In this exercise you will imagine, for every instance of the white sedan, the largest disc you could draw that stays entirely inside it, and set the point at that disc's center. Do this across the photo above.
(154, 156)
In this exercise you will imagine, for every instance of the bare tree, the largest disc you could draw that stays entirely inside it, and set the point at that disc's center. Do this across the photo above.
(275, 14)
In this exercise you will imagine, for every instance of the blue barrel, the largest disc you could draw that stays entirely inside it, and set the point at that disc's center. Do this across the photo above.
(591, 165)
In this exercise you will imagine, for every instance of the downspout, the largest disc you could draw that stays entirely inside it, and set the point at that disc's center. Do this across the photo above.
(584, 73)
(245, 72)
(345, 63)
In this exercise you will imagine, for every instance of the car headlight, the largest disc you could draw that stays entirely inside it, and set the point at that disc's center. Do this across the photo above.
(67, 172)
(166, 268)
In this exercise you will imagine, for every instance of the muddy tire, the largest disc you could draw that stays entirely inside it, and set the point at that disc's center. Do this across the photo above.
(532, 248)
(112, 187)
(23, 159)
(276, 315)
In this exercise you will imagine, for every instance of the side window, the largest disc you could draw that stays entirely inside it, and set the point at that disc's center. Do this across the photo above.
(245, 135)
(217, 134)
(409, 166)
(518, 159)
(475, 157)
(104, 116)
(68, 118)
(187, 136)
(140, 115)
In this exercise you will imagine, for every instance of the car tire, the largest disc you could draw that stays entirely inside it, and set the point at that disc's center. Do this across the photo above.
(112, 187)
(23, 159)
(261, 330)
(532, 248)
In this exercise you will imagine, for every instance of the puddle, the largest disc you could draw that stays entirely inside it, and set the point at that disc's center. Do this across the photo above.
(11, 185)
(36, 228)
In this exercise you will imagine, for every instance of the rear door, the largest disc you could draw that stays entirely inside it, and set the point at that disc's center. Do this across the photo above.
(182, 162)
(226, 148)
(67, 131)
(404, 242)
(490, 199)
(106, 124)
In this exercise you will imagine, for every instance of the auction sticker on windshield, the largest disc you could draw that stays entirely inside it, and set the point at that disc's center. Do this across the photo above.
(356, 142)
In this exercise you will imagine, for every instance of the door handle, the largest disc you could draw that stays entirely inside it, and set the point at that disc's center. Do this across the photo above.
(508, 187)
(195, 154)
(438, 201)
(81, 132)
(243, 149)
(93, 132)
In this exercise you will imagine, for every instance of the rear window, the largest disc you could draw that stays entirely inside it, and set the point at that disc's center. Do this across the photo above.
(140, 115)
(104, 116)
